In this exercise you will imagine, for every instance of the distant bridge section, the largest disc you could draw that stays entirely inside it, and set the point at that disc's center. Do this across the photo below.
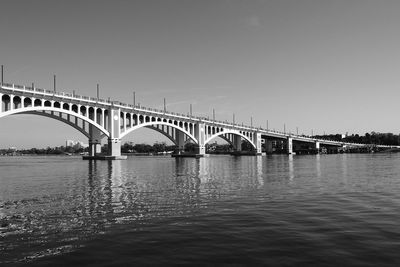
(98, 119)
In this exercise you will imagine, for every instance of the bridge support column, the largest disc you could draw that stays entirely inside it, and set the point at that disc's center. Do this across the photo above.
(289, 145)
(237, 143)
(268, 146)
(317, 146)
(257, 142)
(114, 142)
(94, 141)
(114, 147)
(199, 133)
(180, 141)
(11, 102)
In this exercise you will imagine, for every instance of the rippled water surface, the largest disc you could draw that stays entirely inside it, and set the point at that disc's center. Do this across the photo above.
(276, 210)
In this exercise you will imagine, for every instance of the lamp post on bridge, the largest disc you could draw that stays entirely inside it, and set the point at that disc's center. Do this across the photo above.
(213, 114)
(54, 83)
(2, 74)
(134, 99)
(251, 122)
(233, 119)
(98, 92)
(284, 128)
(267, 125)
(165, 106)
(191, 110)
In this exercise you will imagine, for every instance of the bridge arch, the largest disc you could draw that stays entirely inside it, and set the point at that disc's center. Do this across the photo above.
(151, 125)
(32, 110)
(223, 132)
(52, 116)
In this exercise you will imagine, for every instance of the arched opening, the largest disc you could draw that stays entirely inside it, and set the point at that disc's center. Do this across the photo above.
(57, 105)
(5, 99)
(99, 113)
(141, 119)
(75, 108)
(128, 119)
(105, 119)
(17, 102)
(219, 145)
(134, 118)
(37, 103)
(147, 119)
(66, 106)
(27, 102)
(47, 103)
(91, 113)
(83, 110)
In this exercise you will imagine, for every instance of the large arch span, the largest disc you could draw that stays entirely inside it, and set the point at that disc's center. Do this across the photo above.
(37, 111)
(152, 124)
(224, 132)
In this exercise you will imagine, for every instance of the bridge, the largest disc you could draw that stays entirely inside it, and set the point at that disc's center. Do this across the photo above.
(100, 119)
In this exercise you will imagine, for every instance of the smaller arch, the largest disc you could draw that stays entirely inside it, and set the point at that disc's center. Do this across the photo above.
(47, 103)
(27, 102)
(37, 103)
(147, 119)
(225, 132)
(91, 113)
(141, 119)
(82, 110)
(74, 108)
(134, 119)
(17, 102)
(57, 105)
(66, 106)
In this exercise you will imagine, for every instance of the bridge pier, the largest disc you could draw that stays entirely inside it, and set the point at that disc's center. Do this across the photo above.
(257, 142)
(114, 141)
(237, 143)
(289, 145)
(268, 146)
(199, 133)
(180, 141)
(200, 150)
(317, 146)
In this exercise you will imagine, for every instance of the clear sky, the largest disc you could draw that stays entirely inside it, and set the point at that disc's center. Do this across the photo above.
(330, 66)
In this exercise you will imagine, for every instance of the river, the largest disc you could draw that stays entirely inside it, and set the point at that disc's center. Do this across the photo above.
(279, 210)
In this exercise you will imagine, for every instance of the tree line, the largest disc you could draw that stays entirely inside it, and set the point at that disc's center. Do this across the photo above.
(368, 138)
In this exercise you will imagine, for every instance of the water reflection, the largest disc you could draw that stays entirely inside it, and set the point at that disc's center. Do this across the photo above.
(318, 165)
(291, 169)
(45, 212)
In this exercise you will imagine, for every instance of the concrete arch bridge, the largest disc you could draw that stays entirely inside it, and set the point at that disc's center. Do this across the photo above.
(98, 119)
